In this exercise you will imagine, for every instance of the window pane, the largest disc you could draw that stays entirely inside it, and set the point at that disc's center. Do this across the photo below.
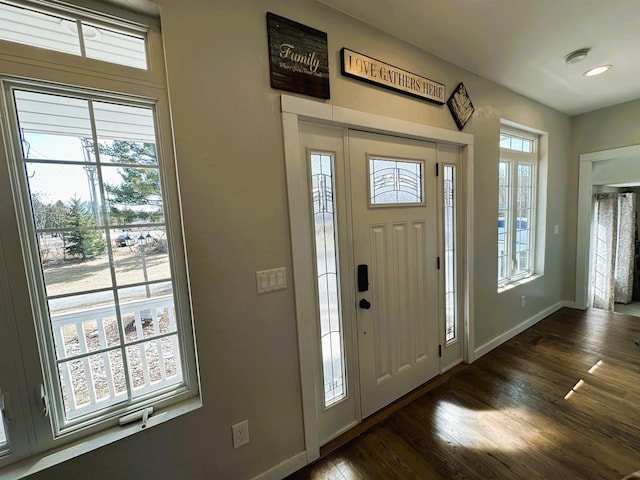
(115, 47)
(513, 142)
(451, 291)
(45, 146)
(48, 114)
(524, 219)
(64, 268)
(30, 27)
(147, 260)
(154, 364)
(395, 181)
(148, 317)
(130, 152)
(327, 280)
(504, 216)
(92, 383)
(133, 195)
(126, 124)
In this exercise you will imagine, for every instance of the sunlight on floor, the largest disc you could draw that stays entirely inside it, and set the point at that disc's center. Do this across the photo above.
(574, 389)
(489, 430)
(581, 382)
(595, 366)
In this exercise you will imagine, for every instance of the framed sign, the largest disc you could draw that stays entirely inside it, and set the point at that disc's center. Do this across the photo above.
(298, 57)
(377, 72)
(460, 106)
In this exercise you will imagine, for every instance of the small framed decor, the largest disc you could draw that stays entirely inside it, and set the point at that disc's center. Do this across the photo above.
(460, 106)
(298, 57)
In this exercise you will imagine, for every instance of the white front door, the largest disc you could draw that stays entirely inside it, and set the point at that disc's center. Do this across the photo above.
(373, 203)
(395, 235)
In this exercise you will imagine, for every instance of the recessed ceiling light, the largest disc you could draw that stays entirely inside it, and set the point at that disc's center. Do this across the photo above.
(597, 70)
(577, 56)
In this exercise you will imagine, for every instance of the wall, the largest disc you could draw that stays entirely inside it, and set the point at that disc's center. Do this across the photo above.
(229, 148)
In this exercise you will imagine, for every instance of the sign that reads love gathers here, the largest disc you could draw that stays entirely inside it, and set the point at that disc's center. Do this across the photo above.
(298, 57)
(374, 71)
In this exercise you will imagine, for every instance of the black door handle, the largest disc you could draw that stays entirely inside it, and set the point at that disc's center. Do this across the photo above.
(365, 304)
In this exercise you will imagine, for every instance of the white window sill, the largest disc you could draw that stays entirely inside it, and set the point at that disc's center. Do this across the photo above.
(517, 283)
(41, 461)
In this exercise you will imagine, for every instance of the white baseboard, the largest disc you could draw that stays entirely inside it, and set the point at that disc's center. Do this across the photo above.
(285, 468)
(499, 340)
(569, 304)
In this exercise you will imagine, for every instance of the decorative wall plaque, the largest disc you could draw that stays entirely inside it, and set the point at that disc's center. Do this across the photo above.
(460, 105)
(298, 57)
(374, 71)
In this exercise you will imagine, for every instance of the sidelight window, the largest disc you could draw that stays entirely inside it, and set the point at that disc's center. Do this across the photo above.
(330, 315)
(450, 268)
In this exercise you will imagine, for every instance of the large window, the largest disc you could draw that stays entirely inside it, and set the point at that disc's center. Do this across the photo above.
(99, 242)
(516, 205)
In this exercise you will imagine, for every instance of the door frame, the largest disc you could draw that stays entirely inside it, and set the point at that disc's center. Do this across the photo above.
(294, 110)
(583, 293)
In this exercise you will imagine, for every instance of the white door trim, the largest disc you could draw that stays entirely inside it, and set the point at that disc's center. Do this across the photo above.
(294, 110)
(585, 204)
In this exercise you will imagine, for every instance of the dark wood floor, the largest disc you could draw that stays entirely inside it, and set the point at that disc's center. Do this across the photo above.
(559, 401)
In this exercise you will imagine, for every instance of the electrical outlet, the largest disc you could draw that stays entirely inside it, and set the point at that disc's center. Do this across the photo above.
(522, 301)
(240, 433)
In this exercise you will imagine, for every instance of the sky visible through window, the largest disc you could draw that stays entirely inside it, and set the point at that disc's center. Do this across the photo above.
(59, 182)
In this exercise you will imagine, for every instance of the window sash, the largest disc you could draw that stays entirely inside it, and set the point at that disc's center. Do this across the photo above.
(516, 217)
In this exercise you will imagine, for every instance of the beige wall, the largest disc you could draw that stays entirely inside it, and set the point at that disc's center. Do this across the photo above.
(229, 147)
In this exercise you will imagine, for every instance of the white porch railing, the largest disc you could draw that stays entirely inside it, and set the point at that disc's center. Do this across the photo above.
(92, 355)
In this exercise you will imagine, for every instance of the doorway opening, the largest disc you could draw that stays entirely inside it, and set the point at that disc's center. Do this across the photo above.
(608, 253)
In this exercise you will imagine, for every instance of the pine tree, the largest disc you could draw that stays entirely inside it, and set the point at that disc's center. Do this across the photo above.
(85, 241)
(139, 188)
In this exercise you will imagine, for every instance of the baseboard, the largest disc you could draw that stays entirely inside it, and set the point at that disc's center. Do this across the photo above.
(570, 304)
(285, 468)
(487, 347)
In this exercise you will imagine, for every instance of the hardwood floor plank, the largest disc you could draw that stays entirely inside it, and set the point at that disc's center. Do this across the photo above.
(559, 401)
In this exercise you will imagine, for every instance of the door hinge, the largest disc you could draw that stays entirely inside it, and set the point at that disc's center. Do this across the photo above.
(437, 169)
(440, 350)
(438, 262)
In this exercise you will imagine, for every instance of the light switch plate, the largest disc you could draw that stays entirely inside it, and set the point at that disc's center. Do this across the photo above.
(271, 280)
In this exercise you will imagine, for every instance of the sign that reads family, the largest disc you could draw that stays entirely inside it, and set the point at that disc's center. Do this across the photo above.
(374, 71)
(298, 57)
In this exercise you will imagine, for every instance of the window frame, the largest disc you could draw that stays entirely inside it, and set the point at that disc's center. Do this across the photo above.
(514, 159)
(31, 434)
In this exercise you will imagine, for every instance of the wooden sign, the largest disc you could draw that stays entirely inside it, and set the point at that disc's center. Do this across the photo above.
(460, 106)
(374, 71)
(298, 57)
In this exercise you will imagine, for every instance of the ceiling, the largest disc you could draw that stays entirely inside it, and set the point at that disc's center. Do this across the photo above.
(522, 44)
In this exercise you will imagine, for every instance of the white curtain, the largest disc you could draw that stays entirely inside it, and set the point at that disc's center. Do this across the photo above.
(613, 249)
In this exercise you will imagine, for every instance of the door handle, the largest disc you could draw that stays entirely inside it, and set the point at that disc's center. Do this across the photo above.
(364, 304)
